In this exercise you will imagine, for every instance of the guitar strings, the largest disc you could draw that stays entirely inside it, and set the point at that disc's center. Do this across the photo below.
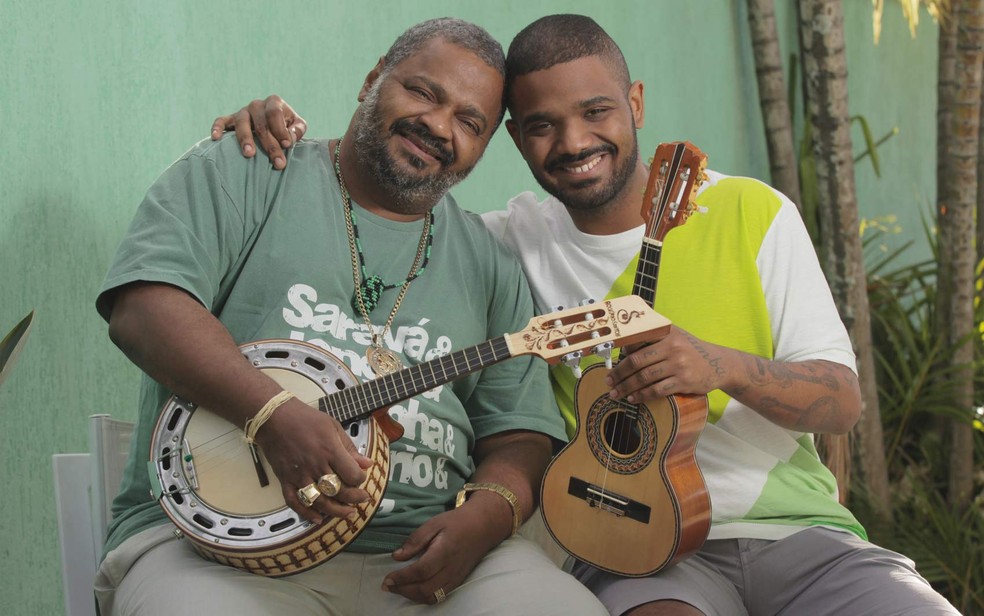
(223, 448)
(351, 402)
(622, 428)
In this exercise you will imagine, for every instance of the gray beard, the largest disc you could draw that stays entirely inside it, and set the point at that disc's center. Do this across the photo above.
(412, 194)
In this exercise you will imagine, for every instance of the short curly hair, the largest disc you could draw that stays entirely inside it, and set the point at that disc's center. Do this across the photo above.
(456, 31)
(556, 39)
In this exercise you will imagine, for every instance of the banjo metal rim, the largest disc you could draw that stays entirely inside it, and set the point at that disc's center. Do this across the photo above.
(227, 536)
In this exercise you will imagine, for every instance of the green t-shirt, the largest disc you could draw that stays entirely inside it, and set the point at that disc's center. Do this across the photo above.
(267, 253)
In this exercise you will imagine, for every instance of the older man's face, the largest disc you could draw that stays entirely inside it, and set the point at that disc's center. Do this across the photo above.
(424, 123)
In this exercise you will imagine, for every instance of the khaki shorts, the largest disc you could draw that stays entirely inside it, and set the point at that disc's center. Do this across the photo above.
(816, 571)
(153, 573)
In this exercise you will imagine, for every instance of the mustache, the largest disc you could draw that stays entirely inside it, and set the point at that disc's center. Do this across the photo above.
(567, 160)
(433, 144)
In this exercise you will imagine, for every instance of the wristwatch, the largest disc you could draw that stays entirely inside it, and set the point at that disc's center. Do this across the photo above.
(502, 491)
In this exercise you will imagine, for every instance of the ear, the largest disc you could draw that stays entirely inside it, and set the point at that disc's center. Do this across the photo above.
(371, 78)
(637, 104)
(513, 129)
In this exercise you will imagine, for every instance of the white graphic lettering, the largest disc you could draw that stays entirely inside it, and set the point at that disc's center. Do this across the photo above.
(324, 325)
(443, 347)
(296, 296)
(386, 505)
(449, 440)
(416, 339)
(441, 475)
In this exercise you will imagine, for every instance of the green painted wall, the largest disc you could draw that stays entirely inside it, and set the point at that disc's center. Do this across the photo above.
(98, 97)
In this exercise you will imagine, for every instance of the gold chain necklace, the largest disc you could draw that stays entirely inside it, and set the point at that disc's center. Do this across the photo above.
(382, 360)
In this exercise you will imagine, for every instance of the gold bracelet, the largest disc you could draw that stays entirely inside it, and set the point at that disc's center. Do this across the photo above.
(502, 491)
(253, 424)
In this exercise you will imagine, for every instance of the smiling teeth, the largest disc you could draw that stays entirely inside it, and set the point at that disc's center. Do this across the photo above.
(586, 167)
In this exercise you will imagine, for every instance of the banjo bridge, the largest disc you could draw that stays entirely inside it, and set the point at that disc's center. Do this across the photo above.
(188, 462)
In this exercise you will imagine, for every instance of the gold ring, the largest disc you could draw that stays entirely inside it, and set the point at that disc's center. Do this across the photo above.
(329, 485)
(308, 494)
(439, 595)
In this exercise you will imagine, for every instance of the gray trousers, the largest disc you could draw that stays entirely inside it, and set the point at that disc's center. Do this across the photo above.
(816, 571)
(154, 574)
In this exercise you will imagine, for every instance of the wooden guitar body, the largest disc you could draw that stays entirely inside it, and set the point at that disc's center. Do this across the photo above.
(626, 494)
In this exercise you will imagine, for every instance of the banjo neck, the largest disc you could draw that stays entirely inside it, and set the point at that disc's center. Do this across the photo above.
(369, 396)
(559, 336)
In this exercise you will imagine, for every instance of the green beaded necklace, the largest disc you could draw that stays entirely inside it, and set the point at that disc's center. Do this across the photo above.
(370, 288)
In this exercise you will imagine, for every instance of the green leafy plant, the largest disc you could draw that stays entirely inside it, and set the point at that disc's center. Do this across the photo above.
(12, 343)
(915, 381)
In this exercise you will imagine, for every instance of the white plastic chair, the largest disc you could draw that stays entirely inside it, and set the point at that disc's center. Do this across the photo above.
(85, 485)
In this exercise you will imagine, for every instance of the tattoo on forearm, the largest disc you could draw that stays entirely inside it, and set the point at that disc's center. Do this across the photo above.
(713, 361)
(783, 375)
(819, 416)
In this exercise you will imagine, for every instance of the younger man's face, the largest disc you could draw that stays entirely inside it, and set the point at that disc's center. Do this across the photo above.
(575, 124)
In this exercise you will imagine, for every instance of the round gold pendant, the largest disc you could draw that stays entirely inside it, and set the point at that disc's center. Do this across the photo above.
(382, 361)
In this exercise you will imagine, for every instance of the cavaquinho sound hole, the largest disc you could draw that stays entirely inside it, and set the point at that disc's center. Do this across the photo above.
(622, 433)
(621, 436)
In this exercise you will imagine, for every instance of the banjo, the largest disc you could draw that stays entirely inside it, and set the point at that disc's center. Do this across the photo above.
(230, 504)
